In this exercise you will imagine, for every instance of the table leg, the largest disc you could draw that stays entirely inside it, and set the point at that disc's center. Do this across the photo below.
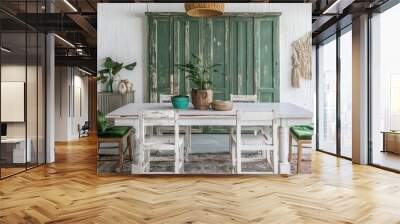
(284, 165)
(188, 142)
(139, 155)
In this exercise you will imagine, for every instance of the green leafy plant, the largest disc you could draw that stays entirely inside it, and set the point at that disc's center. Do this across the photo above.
(111, 69)
(198, 72)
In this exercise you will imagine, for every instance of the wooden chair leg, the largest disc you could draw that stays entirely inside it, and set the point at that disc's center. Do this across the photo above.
(121, 156)
(98, 150)
(299, 155)
(130, 147)
(290, 147)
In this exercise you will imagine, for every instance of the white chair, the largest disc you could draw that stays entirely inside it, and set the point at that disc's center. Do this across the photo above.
(247, 142)
(166, 98)
(150, 143)
(244, 98)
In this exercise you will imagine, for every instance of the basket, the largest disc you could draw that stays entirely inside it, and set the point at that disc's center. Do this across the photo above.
(204, 9)
(221, 105)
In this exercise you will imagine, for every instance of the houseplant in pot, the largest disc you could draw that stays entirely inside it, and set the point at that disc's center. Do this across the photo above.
(110, 70)
(199, 74)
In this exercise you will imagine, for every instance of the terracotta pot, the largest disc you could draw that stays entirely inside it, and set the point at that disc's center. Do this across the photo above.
(201, 99)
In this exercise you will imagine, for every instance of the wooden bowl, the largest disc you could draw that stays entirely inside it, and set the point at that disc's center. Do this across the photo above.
(222, 105)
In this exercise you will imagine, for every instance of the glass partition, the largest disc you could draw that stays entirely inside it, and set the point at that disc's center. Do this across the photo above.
(14, 153)
(22, 77)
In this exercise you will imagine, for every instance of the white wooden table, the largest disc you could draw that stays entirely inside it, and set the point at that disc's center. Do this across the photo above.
(286, 113)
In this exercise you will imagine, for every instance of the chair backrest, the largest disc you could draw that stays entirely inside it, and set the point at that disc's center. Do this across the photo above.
(158, 117)
(165, 98)
(244, 98)
(255, 118)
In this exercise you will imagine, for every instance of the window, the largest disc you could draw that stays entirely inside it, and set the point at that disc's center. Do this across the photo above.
(327, 97)
(385, 89)
(346, 95)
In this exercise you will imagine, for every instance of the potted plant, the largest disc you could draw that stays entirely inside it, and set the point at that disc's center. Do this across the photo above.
(199, 74)
(110, 70)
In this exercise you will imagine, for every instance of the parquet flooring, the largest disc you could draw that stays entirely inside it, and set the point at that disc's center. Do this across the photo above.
(70, 191)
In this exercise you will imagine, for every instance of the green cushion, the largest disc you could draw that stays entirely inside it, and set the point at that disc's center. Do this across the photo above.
(302, 132)
(113, 132)
(102, 123)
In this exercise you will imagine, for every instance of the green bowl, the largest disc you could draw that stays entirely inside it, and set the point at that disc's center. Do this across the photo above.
(180, 102)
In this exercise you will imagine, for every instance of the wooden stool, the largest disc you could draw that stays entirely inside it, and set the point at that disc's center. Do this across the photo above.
(118, 135)
(303, 135)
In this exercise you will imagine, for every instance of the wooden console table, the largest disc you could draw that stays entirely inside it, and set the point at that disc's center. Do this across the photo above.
(391, 141)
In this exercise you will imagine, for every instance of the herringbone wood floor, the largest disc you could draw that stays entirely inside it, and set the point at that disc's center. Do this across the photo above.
(70, 191)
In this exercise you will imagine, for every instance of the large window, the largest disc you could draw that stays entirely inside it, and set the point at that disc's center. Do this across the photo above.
(346, 93)
(327, 96)
(385, 89)
(335, 94)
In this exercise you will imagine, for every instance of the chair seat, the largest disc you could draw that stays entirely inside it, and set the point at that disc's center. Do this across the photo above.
(302, 132)
(114, 132)
(163, 142)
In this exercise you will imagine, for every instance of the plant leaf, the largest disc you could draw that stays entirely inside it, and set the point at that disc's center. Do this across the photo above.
(109, 63)
(117, 68)
(106, 70)
(130, 66)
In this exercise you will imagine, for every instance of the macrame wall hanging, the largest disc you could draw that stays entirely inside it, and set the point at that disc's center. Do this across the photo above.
(301, 60)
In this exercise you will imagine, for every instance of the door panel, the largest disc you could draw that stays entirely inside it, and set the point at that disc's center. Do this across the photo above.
(161, 57)
(242, 67)
(266, 59)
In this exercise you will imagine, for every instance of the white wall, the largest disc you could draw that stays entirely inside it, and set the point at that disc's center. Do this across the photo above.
(122, 35)
(66, 121)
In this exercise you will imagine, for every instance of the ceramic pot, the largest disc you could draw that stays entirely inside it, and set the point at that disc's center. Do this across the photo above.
(180, 102)
(129, 87)
(122, 88)
(201, 99)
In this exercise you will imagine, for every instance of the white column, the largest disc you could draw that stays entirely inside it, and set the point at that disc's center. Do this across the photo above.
(360, 90)
(284, 165)
(50, 101)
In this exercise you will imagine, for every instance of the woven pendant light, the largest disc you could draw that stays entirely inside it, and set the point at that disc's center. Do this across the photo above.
(204, 9)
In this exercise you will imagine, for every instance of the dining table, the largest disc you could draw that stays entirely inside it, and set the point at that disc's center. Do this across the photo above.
(286, 114)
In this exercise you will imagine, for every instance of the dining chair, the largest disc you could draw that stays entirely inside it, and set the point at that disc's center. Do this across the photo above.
(250, 143)
(165, 143)
(302, 134)
(166, 98)
(117, 136)
(244, 98)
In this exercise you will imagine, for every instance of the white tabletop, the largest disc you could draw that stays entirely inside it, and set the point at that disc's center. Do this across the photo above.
(282, 110)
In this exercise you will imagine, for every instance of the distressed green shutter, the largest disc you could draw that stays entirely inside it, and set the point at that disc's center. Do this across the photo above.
(266, 58)
(247, 47)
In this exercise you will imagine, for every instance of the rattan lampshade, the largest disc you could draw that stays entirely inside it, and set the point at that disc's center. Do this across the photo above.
(204, 9)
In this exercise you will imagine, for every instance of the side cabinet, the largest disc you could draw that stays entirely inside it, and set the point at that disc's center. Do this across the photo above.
(110, 101)
(245, 45)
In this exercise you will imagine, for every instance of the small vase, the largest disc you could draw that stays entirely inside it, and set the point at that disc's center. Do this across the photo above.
(109, 85)
(122, 88)
(115, 85)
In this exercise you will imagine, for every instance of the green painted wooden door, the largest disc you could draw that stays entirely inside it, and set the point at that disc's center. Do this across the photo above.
(246, 47)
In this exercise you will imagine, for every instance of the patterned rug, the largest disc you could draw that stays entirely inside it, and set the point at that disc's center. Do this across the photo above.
(201, 163)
